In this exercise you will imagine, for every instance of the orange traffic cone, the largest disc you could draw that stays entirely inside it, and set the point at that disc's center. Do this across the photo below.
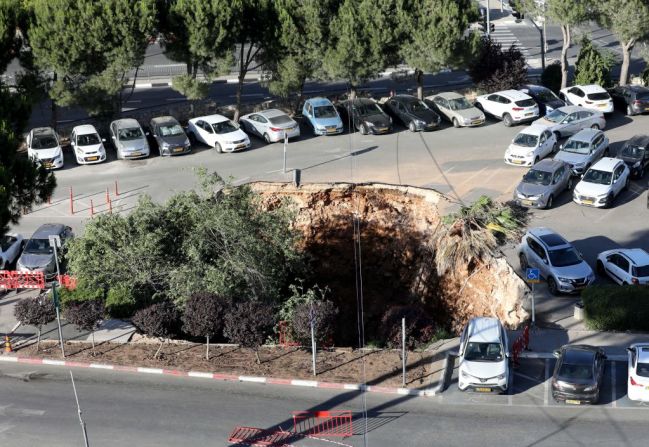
(8, 344)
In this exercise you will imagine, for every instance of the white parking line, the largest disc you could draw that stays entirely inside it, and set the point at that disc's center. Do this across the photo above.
(546, 383)
(613, 400)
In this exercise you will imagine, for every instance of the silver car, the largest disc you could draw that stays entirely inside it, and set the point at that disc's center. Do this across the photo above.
(569, 120)
(38, 255)
(129, 139)
(170, 136)
(271, 125)
(455, 108)
(583, 149)
(559, 263)
(542, 184)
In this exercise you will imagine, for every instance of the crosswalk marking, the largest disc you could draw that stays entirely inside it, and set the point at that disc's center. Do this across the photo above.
(506, 38)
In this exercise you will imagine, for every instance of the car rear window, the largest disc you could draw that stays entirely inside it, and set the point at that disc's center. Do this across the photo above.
(642, 95)
(641, 271)
(280, 119)
(525, 103)
(642, 369)
(598, 96)
(579, 372)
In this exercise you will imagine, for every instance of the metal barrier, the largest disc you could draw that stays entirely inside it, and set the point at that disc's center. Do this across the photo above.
(337, 423)
(21, 280)
(259, 437)
(67, 281)
(285, 339)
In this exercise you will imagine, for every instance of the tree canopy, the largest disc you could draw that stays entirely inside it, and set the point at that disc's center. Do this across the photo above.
(494, 70)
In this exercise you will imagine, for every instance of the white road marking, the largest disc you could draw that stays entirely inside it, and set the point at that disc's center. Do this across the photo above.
(613, 396)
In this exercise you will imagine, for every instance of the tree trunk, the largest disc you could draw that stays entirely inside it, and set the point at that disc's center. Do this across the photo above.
(419, 76)
(207, 348)
(54, 110)
(242, 76)
(155, 356)
(194, 70)
(565, 30)
(92, 336)
(38, 340)
(257, 355)
(352, 91)
(626, 58)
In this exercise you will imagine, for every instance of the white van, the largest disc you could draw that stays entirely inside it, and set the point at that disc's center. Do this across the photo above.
(484, 356)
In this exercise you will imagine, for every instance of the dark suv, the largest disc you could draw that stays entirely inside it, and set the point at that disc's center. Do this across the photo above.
(635, 154)
(578, 374)
(633, 99)
(544, 97)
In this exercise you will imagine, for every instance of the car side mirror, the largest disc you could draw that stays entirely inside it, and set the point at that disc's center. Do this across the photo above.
(545, 261)
(560, 146)
(556, 353)
(630, 350)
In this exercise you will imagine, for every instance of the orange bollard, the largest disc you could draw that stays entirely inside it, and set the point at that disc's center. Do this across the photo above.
(71, 202)
(116, 189)
(107, 196)
(8, 344)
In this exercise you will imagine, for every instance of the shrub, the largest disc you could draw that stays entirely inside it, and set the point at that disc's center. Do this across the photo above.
(161, 320)
(551, 77)
(36, 311)
(325, 313)
(494, 69)
(248, 323)
(420, 328)
(83, 292)
(120, 302)
(618, 308)
(203, 316)
(85, 315)
(593, 65)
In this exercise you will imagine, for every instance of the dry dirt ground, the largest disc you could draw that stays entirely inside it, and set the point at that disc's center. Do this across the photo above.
(382, 367)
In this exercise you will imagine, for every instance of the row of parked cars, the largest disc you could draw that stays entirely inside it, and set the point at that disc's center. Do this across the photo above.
(578, 373)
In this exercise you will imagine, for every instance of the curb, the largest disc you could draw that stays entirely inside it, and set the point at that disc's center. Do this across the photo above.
(223, 377)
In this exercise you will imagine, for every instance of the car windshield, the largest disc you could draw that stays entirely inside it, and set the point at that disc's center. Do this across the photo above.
(546, 95)
(600, 96)
(325, 112)
(368, 109)
(171, 130)
(526, 140)
(133, 133)
(483, 352)
(641, 271)
(537, 177)
(642, 369)
(598, 177)
(459, 104)
(224, 127)
(576, 372)
(418, 106)
(280, 119)
(577, 147)
(564, 257)
(88, 139)
(38, 247)
(632, 151)
(44, 142)
(555, 116)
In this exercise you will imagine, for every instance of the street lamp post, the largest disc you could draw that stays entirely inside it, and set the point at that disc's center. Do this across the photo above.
(55, 243)
(542, 34)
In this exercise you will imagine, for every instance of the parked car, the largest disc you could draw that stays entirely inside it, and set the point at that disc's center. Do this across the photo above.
(583, 149)
(129, 139)
(638, 366)
(543, 183)
(365, 115)
(87, 145)
(632, 99)
(563, 267)
(546, 99)
(590, 96)
(44, 147)
(271, 125)
(169, 136)
(413, 113)
(625, 266)
(511, 106)
(484, 356)
(578, 374)
(322, 116)
(11, 245)
(457, 109)
(602, 183)
(218, 132)
(569, 120)
(530, 145)
(635, 154)
(38, 255)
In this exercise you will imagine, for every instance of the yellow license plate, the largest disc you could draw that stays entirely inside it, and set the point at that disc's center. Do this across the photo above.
(476, 122)
(518, 162)
(528, 114)
(92, 158)
(527, 202)
(573, 402)
(601, 105)
(483, 390)
(136, 154)
(241, 146)
(587, 202)
(47, 165)
(178, 149)
(382, 129)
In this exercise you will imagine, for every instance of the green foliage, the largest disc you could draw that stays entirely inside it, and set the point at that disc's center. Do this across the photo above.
(593, 65)
(9, 11)
(83, 292)
(190, 87)
(120, 301)
(494, 69)
(299, 296)
(616, 308)
(324, 314)
(551, 77)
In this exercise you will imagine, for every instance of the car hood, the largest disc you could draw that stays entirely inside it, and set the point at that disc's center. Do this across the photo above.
(328, 121)
(520, 150)
(35, 261)
(591, 189)
(233, 136)
(427, 116)
(571, 157)
(628, 159)
(92, 148)
(469, 114)
(45, 153)
(484, 370)
(175, 140)
(530, 189)
(576, 271)
(545, 123)
(554, 104)
(133, 145)
(377, 119)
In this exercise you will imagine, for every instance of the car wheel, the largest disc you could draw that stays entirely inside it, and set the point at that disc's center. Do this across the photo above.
(569, 184)
(523, 262)
(363, 129)
(624, 283)
(600, 268)
(412, 127)
(609, 201)
(627, 183)
(456, 123)
(629, 111)
(595, 127)
(218, 148)
(549, 203)
(192, 138)
(267, 138)
(507, 120)
(552, 286)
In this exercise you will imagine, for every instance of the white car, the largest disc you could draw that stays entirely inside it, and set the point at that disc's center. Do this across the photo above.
(218, 132)
(625, 266)
(483, 356)
(270, 125)
(638, 382)
(511, 106)
(602, 183)
(590, 96)
(44, 147)
(87, 146)
(569, 120)
(11, 245)
(530, 145)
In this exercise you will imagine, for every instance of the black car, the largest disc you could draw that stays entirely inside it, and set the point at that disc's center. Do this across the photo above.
(578, 374)
(633, 99)
(412, 112)
(169, 136)
(635, 154)
(544, 97)
(365, 116)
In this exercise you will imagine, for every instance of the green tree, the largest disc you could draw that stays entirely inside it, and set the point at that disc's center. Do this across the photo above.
(493, 69)
(433, 35)
(364, 41)
(629, 21)
(203, 316)
(90, 46)
(593, 65)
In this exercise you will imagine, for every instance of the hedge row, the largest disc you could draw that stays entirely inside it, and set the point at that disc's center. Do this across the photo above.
(616, 308)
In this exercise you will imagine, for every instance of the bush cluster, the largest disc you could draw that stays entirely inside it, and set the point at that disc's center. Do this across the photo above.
(616, 308)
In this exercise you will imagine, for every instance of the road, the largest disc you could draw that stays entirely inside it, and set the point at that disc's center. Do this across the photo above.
(38, 407)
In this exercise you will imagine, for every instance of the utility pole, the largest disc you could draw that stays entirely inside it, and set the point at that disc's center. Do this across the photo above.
(55, 243)
(83, 424)
(312, 318)
(403, 352)
(542, 35)
(285, 144)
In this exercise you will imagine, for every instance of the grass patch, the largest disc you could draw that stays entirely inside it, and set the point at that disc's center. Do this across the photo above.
(616, 308)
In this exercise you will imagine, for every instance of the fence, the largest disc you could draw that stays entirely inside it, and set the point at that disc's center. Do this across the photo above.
(336, 423)
(31, 280)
